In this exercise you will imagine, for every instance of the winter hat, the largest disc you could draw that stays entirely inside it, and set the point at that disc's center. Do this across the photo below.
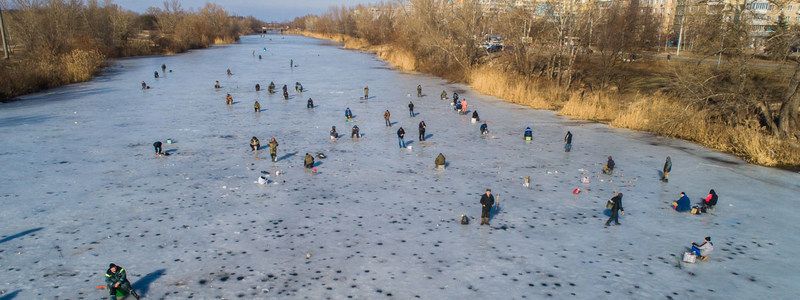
(708, 238)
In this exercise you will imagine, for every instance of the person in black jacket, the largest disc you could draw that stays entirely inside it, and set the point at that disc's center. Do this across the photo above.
(609, 167)
(667, 169)
(157, 147)
(422, 127)
(568, 142)
(401, 133)
(411, 109)
(487, 201)
(616, 208)
(310, 103)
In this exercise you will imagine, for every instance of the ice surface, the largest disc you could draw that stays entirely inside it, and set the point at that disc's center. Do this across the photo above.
(80, 188)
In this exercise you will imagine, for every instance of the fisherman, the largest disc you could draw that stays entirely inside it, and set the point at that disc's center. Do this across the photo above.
(155, 74)
(117, 282)
(401, 133)
(157, 148)
(568, 141)
(484, 128)
(703, 250)
(144, 85)
(528, 134)
(257, 106)
(419, 90)
(440, 161)
(255, 144)
(386, 116)
(310, 103)
(334, 134)
(411, 109)
(258, 87)
(487, 201)
(229, 72)
(308, 162)
(666, 170)
(348, 115)
(355, 133)
(443, 96)
(285, 93)
(616, 208)
(271, 87)
(273, 149)
(475, 117)
(422, 127)
(163, 68)
(217, 85)
(366, 92)
(228, 99)
(609, 167)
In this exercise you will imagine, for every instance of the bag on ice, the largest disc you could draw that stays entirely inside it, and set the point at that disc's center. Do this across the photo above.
(262, 180)
(689, 257)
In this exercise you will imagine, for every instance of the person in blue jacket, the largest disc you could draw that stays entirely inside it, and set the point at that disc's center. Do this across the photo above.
(348, 114)
(683, 204)
(528, 134)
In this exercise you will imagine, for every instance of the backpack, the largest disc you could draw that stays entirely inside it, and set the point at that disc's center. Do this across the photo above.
(695, 210)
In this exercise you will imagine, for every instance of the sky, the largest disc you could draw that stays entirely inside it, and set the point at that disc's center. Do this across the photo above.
(267, 10)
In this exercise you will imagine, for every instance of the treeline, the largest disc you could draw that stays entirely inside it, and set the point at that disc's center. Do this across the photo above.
(56, 42)
(606, 61)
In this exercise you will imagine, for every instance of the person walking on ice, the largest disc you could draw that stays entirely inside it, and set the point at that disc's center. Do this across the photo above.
(401, 133)
(615, 205)
(419, 90)
(487, 201)
(117, 282)
(411, 109)
(386, 116)
(422, 127)
(568, 142)
(273, 149)
(366, 92)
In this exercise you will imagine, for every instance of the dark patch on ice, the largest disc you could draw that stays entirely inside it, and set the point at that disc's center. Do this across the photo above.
(23, 120)
(722, 160)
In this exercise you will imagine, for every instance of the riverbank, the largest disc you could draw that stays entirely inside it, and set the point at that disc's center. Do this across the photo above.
(653, 113)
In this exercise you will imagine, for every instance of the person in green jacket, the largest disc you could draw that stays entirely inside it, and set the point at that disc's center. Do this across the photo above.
(308, 161)
(117, 282)
(273, 149)
(440, 161)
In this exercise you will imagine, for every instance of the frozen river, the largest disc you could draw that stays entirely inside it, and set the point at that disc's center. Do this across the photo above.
(80, 187)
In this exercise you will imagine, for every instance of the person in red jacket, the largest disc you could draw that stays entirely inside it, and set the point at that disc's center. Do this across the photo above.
(711, 200)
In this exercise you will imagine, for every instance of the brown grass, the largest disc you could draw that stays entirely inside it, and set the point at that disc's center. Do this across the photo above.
(645, 112)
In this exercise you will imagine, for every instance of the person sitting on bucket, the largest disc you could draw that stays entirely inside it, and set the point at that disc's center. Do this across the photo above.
(310, 103)
(257, 106)
(348, 115)
(475, 117)
(703, 250)
(334, 134)
(355, 133)
(609, 167)
(711, 200)
(308, 162)
(440, 161)
(255, 144)
(443, 96)
(271, 87)
(484, 128)
(528, 134)
(217, 85)
(683, 204)
(258, 87)
(117, 282)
